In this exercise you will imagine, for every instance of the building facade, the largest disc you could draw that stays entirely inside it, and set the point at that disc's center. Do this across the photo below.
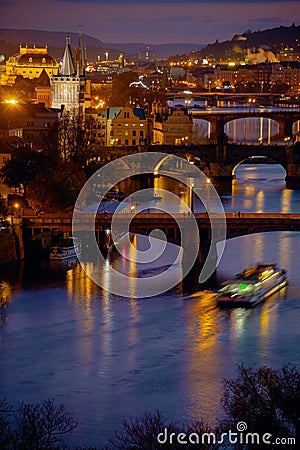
(124, 127)
(29, 63)
(68, 87)
(174, 128)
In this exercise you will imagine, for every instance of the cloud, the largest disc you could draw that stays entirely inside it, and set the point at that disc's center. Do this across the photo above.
(266, 20)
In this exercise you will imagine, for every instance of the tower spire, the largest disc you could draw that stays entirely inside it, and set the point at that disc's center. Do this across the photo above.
(67, 67)
(80, 56)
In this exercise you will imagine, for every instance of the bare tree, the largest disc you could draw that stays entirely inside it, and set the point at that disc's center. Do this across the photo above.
(77, 138)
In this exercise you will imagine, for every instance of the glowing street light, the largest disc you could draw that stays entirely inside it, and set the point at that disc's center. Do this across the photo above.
(208, 184)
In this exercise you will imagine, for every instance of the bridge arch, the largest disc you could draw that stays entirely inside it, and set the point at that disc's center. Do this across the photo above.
(257, 130)
(177, 152)
(277, 161)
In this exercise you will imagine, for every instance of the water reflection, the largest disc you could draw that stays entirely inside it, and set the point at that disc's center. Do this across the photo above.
(204, 363)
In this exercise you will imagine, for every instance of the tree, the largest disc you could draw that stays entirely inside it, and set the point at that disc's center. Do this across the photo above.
(142, 433)
(58, 188)
(23, 167)
(35, 426)
(3, 207)
(268, 400)
(122, 92)
(77, 138)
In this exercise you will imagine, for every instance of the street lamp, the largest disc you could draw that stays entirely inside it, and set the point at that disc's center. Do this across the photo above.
(191, 198)
(208, 183)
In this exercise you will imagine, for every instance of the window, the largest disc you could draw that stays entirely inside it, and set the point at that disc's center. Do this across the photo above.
(126, 133)
(133, 142)
(119, 133)
(126, 114)
(43, 60)
(134, 133)
(30, 60)
(111, 132)
(126, 141)
(141, 134)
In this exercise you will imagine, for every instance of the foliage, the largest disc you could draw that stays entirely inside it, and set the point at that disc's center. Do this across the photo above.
(34, 426)
(122, 92)
(23, 167)
(268, 400)
(3, 207)
(57, 189)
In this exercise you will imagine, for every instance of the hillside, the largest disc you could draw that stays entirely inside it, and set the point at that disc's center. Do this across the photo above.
(11, 38)
(270, 39)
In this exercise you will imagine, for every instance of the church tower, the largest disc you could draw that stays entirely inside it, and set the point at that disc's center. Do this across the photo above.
(68, 87)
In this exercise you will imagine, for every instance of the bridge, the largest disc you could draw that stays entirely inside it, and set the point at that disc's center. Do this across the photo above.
(38, 229)
(238, 224)
(219, 157)
(215, 98)
(218, 118)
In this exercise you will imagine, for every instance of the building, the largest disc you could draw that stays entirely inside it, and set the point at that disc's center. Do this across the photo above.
(68, 88)
(125, 126)
(31, 122)
(174, 128)
(43, 90)
(29, 63)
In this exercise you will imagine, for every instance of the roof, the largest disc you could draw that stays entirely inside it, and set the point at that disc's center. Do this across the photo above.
(67, 67)
(9, 143)
(35, 59)
(140, 113)
(111, 113)
(43, 79)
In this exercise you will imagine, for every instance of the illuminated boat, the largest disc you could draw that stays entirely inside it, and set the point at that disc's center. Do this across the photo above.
(252, 286)
(66, 249)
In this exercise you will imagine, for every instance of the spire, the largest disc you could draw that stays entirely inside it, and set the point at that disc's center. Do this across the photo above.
(80, 57)
(67, 67)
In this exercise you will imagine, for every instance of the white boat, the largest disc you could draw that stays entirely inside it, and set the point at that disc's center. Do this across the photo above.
(66, 249)
(252, 286)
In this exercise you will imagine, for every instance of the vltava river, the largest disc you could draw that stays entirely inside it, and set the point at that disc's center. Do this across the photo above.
(107, 357)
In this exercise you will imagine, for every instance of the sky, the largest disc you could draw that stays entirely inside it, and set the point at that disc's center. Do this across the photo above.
(150, 21)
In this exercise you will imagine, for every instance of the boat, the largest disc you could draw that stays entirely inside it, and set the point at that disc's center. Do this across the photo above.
(252, 286)
(66, 249)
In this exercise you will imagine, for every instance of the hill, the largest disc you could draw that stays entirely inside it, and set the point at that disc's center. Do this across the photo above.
(270, 39)
(11, 38)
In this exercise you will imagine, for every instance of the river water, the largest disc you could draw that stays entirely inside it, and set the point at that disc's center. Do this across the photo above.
(107, 357)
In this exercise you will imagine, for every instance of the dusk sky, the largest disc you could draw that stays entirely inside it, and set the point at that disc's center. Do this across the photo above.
(150, 21)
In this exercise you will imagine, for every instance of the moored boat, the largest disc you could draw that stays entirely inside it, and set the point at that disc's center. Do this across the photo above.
(66, 249)
(252, 286)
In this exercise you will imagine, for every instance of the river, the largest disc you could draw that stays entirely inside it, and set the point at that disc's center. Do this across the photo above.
(107, 357)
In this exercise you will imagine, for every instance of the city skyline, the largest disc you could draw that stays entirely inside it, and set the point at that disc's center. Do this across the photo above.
(155, 22)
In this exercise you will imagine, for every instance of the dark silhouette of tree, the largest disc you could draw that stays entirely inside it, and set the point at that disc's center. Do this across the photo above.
(23, 167)
(58, 188)
(268, 400)
(142, 433)
(35, 426)
(77, 136)
(3, 207)
(122, 92)
(6, 433)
